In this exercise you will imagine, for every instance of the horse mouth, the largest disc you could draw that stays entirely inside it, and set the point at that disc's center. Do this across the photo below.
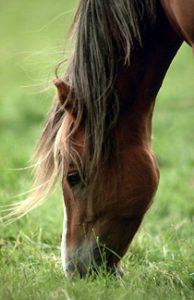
(99, 260)
(79, 270)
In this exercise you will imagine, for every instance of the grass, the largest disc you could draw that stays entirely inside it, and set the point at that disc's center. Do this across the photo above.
(160, 262)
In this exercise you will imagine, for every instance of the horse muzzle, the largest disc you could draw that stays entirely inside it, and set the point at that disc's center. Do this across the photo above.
(92, 260)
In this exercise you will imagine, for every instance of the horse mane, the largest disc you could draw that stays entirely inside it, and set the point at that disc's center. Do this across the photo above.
(106, 33)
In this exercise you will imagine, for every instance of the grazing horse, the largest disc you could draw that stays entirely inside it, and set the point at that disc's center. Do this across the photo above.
(98, 134)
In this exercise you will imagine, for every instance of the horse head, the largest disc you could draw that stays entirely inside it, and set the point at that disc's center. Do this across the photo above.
(104, 204)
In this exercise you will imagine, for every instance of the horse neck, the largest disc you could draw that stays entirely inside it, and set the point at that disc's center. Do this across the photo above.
(180, 16)
(138, 84)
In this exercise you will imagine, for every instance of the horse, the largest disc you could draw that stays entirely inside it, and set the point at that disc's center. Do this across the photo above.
(97, 138)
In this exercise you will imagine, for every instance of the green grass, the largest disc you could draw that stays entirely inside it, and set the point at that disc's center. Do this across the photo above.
(160, 262)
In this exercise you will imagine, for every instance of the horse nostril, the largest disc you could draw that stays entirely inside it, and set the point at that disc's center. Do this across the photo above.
(70, 268)
(74, 270)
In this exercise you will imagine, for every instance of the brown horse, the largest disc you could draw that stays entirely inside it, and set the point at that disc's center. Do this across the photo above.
(98, 135)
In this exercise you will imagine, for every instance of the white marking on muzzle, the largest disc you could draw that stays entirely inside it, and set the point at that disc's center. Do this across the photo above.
(63, 242)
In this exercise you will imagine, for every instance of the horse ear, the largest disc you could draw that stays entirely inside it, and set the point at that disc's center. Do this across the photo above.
(63, 90)
(65, 94)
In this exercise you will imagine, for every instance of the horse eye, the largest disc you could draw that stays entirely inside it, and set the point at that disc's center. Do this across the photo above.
(73, 179)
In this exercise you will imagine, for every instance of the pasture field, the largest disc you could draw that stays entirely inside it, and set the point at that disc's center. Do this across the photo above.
(160, 261)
